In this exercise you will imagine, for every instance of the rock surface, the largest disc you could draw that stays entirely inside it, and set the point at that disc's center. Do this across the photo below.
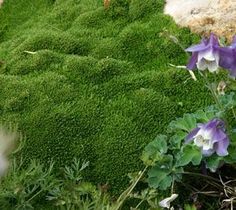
(205, 16)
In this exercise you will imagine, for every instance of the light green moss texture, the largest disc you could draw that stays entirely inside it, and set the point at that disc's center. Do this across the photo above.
(83, 81)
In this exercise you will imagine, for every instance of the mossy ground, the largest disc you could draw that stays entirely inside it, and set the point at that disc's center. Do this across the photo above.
(93, 83)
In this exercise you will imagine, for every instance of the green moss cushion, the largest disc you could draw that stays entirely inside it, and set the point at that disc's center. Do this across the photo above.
(93, 83)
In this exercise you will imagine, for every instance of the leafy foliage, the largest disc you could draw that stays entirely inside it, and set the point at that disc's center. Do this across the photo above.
(35, 186)
(23, 188)
(189, 154)
(169, 155)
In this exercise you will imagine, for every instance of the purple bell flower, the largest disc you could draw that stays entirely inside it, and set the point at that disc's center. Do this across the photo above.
(205, 55)
(210, 137)
(228, 58)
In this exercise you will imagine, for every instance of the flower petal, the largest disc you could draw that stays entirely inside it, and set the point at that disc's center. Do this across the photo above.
(202, 65)
(166, 202)
(221, 147)
(208, 129)
(233, 45)
(208, 152)
(197, 48)
(212, 66)
(227, 58)
(191, 135)
(213, 40)
(192, 62)
(208, 54)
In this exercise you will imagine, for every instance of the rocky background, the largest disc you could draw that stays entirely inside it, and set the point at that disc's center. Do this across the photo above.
(205, 16)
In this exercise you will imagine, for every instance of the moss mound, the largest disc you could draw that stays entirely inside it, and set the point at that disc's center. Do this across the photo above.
(84, 81)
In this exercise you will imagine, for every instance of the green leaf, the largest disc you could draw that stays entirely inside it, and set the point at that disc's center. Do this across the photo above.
(228, 101)
(150, 159)
(188, 207)
(176, 140)
(231, 158)
(155, 150)
(189, 153)
(165, 183)
(213, 162)
(166, 161)
(159, 177)
(205, 115)
(160, 143)
(187, 123)
(177, 172)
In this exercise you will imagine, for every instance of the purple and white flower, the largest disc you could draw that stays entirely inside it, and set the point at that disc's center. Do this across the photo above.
(210, 137)
(228, 58)
(205, 55)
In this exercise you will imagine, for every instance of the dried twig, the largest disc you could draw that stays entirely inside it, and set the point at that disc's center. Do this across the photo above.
(106, 3)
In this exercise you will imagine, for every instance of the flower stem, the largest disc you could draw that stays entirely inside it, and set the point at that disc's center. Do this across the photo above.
(234, 114)
(212, 90)
(172, 186)
(203, 176)
(136, 207)
(127, 192)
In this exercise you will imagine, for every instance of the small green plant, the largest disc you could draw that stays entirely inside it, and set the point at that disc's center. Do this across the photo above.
(35, 187)
(23, 188)
(73, 192)
(31, 187)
